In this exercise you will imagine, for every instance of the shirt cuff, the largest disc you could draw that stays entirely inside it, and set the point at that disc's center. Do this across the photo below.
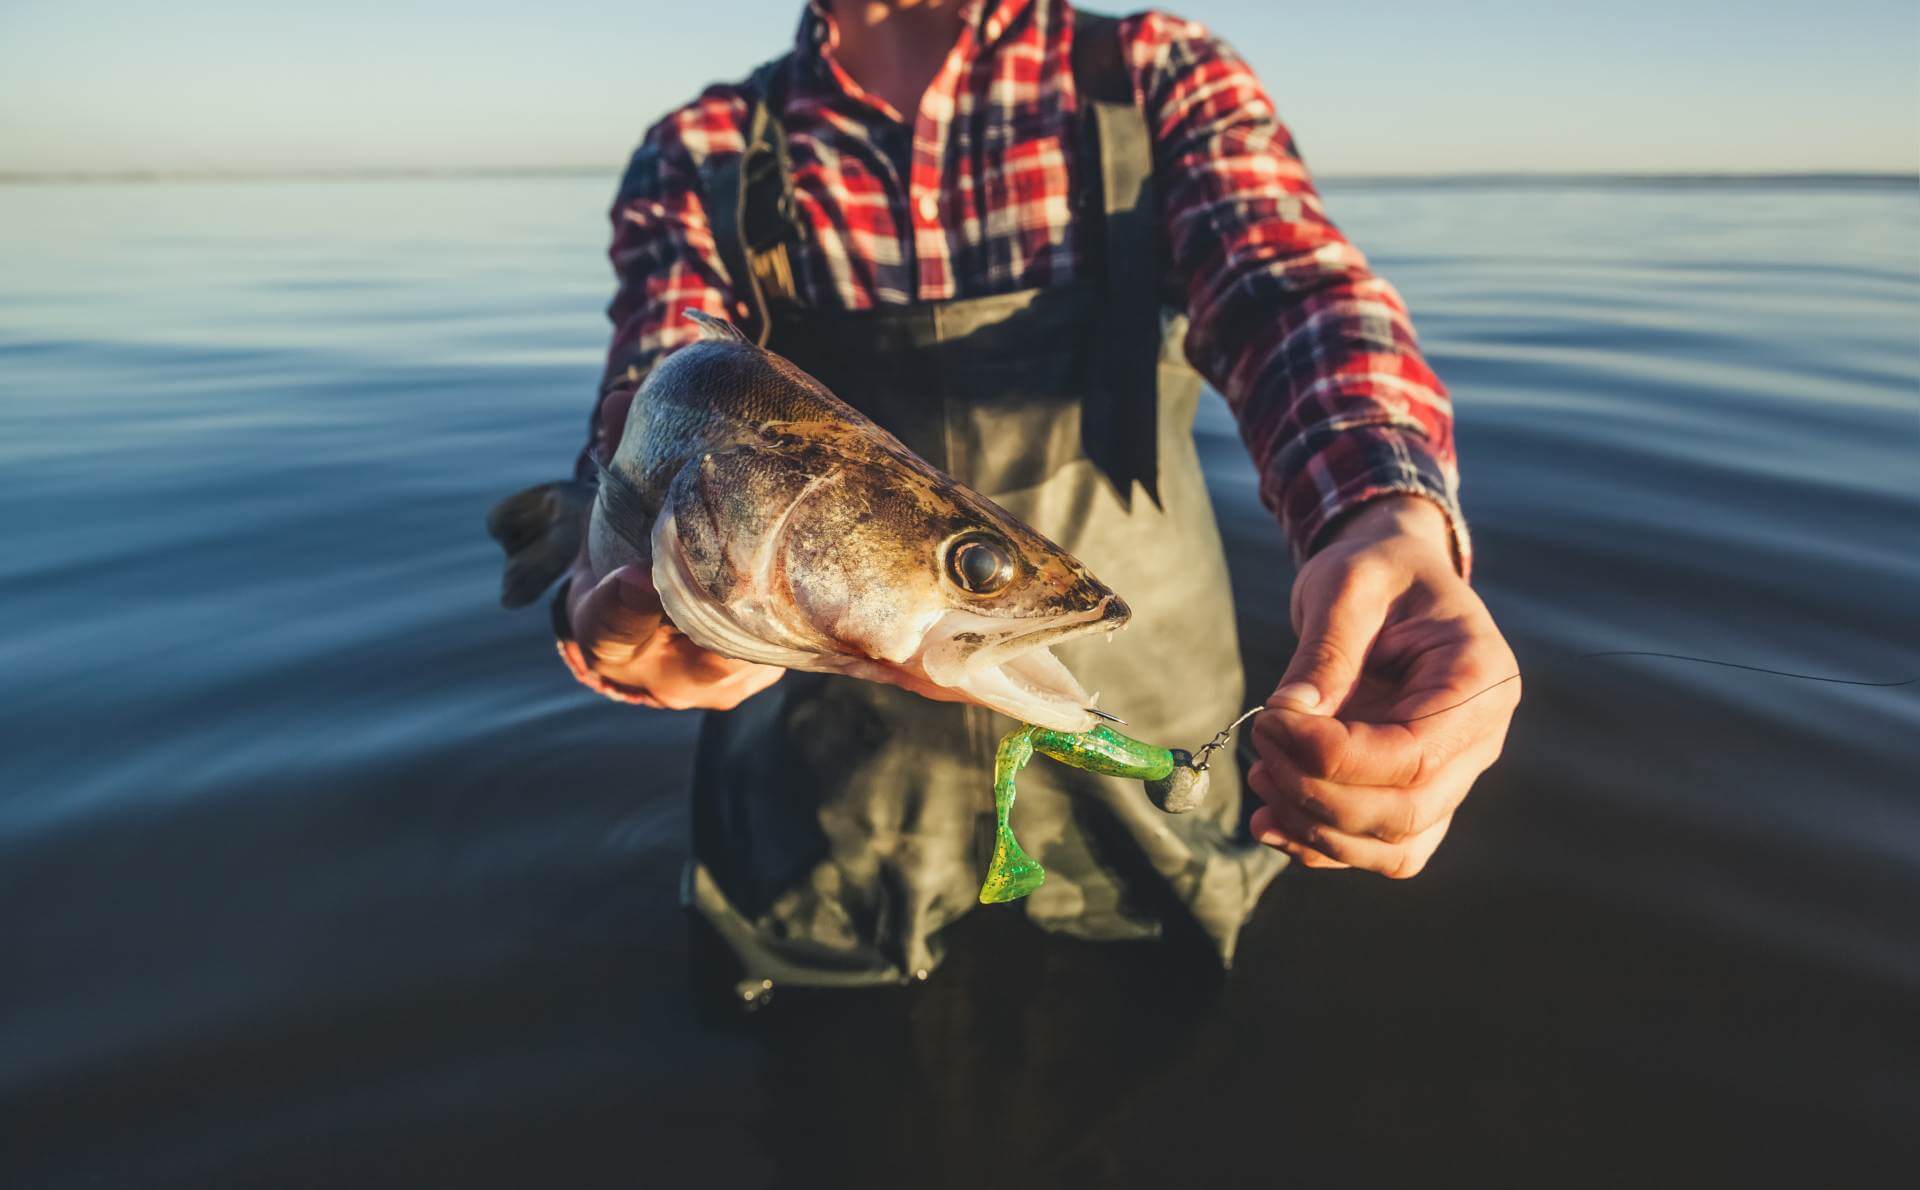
(1354, 465)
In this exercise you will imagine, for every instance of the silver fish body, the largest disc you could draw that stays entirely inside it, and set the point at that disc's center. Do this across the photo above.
(782, 526)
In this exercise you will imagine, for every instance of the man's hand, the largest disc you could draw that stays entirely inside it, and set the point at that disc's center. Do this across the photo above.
(1351, 774)
(625, 637)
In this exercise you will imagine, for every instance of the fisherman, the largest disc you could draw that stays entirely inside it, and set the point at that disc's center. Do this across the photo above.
(1019, 236)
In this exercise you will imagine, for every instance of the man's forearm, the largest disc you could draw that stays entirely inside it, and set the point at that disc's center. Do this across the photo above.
(1315, 353)
(1395, 515)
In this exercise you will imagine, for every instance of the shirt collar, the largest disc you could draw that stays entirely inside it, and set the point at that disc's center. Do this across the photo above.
(813, 43)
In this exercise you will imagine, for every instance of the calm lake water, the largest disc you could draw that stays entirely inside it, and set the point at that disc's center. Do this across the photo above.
(316, 868)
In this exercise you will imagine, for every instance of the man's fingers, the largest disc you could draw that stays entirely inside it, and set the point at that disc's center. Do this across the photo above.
(1387, 814)
(1397, 861)
(1330, 749)
(1264, 827)
(716, 683)
(1398, 755)
(671, 651)
(1338, 624)
(617, 616)
(626, 636)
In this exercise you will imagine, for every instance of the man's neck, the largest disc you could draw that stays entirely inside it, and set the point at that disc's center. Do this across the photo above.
(893, 48)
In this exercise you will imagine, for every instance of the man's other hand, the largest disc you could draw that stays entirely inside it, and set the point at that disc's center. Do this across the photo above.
(625, 637)
(1354, 766)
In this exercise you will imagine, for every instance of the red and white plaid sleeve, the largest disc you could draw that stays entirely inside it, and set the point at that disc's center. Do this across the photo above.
(663, 253)
(1315, 354)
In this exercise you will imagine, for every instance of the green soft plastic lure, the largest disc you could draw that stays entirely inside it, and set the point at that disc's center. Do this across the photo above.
(1176, 781)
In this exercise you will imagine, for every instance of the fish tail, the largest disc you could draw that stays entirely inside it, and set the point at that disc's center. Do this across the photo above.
(540, 530)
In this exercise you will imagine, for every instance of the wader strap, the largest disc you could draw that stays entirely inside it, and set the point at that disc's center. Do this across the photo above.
(1121, 434)
(749, 201)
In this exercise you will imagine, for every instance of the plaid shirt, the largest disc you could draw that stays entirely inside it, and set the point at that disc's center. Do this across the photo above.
(1314, 353)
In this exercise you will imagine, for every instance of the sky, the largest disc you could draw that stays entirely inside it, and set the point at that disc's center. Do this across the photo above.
(1384, 87)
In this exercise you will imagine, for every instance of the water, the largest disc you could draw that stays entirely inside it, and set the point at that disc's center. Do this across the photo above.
(315, 868)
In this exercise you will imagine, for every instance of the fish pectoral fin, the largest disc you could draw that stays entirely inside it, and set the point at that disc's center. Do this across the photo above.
(540, 530)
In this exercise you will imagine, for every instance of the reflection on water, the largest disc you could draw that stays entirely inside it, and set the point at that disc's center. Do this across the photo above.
(316, 869)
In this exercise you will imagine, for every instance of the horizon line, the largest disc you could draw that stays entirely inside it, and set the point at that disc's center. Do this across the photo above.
(401, 173)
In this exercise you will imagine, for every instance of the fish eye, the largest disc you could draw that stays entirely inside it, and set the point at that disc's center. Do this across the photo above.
(979, 564)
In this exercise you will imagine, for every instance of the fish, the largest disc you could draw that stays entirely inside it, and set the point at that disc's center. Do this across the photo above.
(782, 526)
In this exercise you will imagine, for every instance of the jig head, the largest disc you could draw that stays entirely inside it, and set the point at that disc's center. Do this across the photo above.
(1185, 788)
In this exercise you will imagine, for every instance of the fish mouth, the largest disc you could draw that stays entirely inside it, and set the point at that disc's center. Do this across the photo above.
(1013, 670)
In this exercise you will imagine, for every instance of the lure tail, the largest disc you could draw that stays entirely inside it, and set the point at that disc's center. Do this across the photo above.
(1176, 781)
(1013, 873)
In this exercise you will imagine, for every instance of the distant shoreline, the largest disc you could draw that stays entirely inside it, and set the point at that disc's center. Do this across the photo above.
(1486, 178)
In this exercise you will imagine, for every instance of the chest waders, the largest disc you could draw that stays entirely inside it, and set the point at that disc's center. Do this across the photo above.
(839, 824)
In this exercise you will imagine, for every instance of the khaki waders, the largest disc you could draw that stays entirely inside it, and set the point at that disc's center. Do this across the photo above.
(839, 825)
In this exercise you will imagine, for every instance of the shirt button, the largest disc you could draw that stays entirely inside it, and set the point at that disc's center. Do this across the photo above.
(929, 208)
(993, 28)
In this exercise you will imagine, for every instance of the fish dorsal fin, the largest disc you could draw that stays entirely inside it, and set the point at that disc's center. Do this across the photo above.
(714, 328)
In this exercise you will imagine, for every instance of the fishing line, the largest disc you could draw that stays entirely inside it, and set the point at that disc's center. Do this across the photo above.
(1463, 702)
(1176, 780)
(1759, 669)
(1750, 668)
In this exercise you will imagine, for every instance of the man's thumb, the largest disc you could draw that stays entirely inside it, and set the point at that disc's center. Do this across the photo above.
(1334, 640)
(619, 614)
